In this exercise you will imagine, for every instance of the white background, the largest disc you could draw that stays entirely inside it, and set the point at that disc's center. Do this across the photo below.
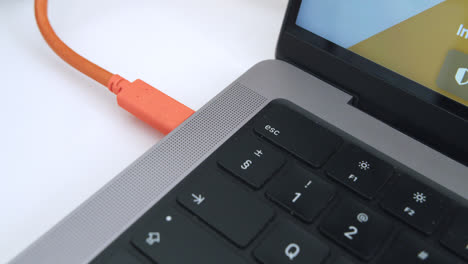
(63, 136)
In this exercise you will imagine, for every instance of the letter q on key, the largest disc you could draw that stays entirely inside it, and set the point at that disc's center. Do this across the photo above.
(292, 251)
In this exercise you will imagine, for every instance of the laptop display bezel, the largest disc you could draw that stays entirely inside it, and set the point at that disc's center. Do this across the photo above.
(400, 102)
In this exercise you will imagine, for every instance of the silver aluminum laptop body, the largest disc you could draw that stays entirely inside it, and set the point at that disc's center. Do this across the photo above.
(96, 223)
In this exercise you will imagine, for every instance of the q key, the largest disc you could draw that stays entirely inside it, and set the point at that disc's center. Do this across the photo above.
(287, 244)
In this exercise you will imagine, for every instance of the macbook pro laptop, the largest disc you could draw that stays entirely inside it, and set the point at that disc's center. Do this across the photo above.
(350, 147)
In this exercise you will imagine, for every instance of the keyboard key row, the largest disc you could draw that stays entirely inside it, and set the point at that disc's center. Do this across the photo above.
(305, 195)
(172, 238)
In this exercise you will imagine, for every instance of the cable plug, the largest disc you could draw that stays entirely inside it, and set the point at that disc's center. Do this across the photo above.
(147, 103)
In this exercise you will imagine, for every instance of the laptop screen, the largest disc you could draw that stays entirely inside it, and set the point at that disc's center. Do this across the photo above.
(423, 40)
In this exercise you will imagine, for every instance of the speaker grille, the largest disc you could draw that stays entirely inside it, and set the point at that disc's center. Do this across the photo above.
(91, 227)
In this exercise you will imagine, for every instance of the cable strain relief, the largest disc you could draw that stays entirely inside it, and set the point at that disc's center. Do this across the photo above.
(117, 83)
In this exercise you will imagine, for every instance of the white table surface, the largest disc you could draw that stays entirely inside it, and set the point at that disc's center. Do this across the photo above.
(63, 136)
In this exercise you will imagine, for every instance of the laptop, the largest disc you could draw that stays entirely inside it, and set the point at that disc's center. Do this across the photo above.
(350, 147)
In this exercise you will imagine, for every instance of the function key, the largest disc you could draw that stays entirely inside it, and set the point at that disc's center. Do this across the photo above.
(298, 134)
(226, 207)
(171, 238)
(407, 249)
(359, 170)
(288, 244)
(250, 159)
(456, 237)
(357, 228)
(415, 203)
(300, 192)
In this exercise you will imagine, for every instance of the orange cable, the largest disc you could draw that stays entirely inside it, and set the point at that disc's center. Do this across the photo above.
(139, 98)
(61, 49)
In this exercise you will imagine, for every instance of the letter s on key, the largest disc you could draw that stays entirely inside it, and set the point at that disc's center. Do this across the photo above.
(246, 164)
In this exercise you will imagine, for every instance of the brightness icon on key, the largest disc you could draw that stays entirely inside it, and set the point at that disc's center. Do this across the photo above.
(364, 165)
(419, 197)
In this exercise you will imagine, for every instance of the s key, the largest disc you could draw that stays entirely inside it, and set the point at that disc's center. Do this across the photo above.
(250, 159)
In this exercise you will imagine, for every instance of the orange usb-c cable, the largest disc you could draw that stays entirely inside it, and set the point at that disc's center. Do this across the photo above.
(139, 98)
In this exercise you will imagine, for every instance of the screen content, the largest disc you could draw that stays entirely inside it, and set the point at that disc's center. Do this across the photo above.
(423, 40)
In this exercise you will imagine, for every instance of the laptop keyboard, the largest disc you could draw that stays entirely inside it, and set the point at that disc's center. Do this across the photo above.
(288, 189)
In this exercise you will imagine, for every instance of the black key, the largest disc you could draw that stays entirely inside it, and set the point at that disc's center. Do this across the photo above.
(359, 170)
(288, 244)
(301, 193)
(122, 257)
(250, 159)
(357, 228)
(456, 237)
(171, 238)
(297, 134)
(342, 260)
(415, 203)
(406, 249)
(226, 207)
